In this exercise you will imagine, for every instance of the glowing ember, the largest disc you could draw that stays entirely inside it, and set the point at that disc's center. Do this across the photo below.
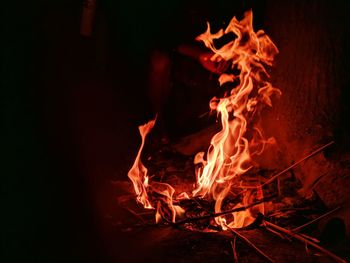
(229, 156)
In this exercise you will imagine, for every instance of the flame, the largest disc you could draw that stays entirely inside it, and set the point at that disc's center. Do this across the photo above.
(138, 172)
(165, 205)
(230, 154)
(138, 176)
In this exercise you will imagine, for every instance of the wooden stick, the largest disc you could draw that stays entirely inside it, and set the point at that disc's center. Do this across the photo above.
(273, 178)
(277, 233)
(302, 239)
(297, 163)
(238, 209)
(250, 243)
(297, 229)
(233, 245)
(315, 240)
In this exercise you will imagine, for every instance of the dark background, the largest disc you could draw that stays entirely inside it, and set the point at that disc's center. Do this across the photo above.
(70, 108)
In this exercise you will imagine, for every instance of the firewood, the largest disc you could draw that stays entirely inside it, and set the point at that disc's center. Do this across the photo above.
(192, 219)
(298, 162)
(305, 240)
(233, 245)
(297, 229)
(250, 243)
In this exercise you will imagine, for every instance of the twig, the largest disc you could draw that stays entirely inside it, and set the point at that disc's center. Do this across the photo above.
(298, 162)
(318, 180)
(291, 167)
(277, 233)
(250, 243)
(302, 239)
(307, 249)
(315, 240)
(233, 245)
(297, 229)
(238, 209)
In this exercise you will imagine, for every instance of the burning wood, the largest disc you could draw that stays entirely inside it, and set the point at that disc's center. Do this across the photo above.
(305, 240)
(230, 155)
(250, 244)
(228, 191)
(233, 244)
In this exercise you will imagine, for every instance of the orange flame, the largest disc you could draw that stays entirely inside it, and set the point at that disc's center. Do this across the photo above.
(230, 153)
(138, 176)
(138, 172)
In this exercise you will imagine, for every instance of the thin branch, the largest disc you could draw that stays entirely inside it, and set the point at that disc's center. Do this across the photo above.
(298, 162)
(233, 245)
(305, 240)
(310, 238)
(238, 209)
(250, 243)
(277, 233)
(297, 229)
(273, 178)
